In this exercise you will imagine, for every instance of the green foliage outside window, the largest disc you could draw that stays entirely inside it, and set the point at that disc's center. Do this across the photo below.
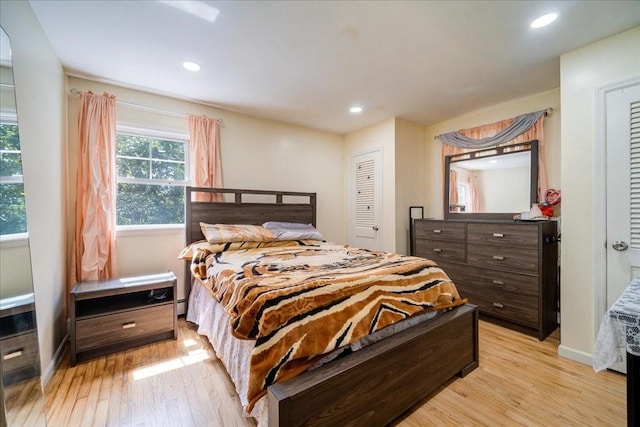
(13, 214)
(151, 180)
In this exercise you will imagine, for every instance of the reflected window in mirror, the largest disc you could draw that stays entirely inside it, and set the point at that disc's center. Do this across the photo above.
(493, 183)
(13, 219)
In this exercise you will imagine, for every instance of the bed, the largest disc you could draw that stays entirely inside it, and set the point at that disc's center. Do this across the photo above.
(371, 386)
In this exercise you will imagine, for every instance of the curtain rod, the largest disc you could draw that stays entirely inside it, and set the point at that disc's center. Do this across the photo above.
(547, 113)
(74, 91)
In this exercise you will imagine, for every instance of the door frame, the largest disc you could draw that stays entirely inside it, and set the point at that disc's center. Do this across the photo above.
(600, 201)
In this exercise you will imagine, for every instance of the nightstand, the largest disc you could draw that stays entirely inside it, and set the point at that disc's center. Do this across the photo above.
(116, 314)
(18, 339)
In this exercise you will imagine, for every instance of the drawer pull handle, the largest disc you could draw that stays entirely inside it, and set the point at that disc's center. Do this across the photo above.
(128, 325)
(13, 354)
(498, 257)
(498, 234)
(498, 305)
(437, 231)
(498, 282)
(437, 250)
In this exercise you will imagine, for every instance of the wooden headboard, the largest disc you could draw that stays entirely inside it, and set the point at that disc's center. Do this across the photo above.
(234, 206)
(245, 207)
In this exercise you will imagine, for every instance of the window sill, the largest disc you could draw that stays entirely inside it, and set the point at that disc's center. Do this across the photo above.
(148, 230)
(17, 240)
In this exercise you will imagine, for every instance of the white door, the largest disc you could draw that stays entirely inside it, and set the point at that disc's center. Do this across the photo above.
(365, 201)
(623, 191)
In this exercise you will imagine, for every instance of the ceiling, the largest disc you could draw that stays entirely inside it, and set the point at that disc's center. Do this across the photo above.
(307, 62)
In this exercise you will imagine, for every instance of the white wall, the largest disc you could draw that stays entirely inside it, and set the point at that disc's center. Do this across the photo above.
(379, 136)
(410, 178)
(256, 154)
(583, 71)
(39, 84)
(435, 165)
(504, 190)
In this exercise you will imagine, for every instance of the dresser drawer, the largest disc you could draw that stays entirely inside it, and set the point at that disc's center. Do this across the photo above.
(501, 305)
(519, 260)
(20, 351)
(440, 230)
(439, 250)
(520, 235)
(110, 329)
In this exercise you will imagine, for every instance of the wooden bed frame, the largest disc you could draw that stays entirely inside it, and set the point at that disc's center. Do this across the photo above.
(371, 386)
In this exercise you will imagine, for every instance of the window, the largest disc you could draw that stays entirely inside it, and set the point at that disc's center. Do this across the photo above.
(152, 174)
(463, 197)
(13, 214)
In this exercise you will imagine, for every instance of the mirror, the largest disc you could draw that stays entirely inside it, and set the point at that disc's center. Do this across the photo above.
(493, 183)
(23, 403)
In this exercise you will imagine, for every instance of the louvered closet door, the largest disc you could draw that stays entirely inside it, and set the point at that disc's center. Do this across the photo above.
(623, 189)
(365, 206)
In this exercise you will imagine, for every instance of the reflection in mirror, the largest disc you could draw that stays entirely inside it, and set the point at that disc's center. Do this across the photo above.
(23, 403)
(493, 183)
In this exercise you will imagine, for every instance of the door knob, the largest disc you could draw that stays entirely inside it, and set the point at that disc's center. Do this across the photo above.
(375, 228)
(619, 245)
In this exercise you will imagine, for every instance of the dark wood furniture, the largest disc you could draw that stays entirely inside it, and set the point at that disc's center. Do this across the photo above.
(373, 385)
(18, 339)
(116, 314)
(508, 268)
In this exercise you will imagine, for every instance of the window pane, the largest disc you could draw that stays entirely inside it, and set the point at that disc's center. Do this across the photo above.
(10, 164)
(133, 168)
(150, 204)
(167, 150)
(167, 170)
(13, 215)
(132, 146)
(9, 137)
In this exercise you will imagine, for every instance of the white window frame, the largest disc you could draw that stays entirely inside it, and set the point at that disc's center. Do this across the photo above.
(14, 239)
(466, 201)
(123, 129)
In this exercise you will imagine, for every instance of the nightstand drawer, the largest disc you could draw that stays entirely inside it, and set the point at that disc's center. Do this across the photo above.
(522, 235)
(439, 250)
(439, 230)
(20, 351)
(97, 332)
(519, 260)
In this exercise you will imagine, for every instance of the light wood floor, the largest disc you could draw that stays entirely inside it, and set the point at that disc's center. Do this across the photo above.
(520, 381)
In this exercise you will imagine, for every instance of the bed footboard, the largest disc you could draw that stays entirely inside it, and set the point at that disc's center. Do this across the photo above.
(375, 385)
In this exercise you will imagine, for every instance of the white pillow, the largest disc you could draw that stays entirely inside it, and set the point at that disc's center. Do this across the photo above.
(292, 230)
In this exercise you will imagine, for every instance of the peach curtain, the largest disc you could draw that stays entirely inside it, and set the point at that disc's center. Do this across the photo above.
(534, 132)
(204, 147)
(473, 193)
(453, 185)
(94, 253)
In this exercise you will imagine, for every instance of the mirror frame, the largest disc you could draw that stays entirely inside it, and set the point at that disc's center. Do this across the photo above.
(529, 146)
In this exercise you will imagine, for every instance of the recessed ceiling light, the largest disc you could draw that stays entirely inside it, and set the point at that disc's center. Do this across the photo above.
(191, 66)
(355, 110)
(544, 20)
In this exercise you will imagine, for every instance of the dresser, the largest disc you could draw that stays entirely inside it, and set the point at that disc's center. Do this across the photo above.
(508, 268)
(18, 339)
(121, 313)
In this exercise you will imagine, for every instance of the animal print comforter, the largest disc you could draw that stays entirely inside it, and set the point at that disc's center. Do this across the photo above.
(299, 303)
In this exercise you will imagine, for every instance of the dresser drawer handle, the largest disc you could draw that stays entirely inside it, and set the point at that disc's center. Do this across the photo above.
(437, 250)
(128, 325)
(498, 257)
(498, 282)
(437, 231)
(498, 235)
(498, 305)
(13, 354)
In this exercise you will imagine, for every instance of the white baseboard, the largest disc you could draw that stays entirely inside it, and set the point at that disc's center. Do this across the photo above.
(47, 374)
(181, 307)
(576, 355)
